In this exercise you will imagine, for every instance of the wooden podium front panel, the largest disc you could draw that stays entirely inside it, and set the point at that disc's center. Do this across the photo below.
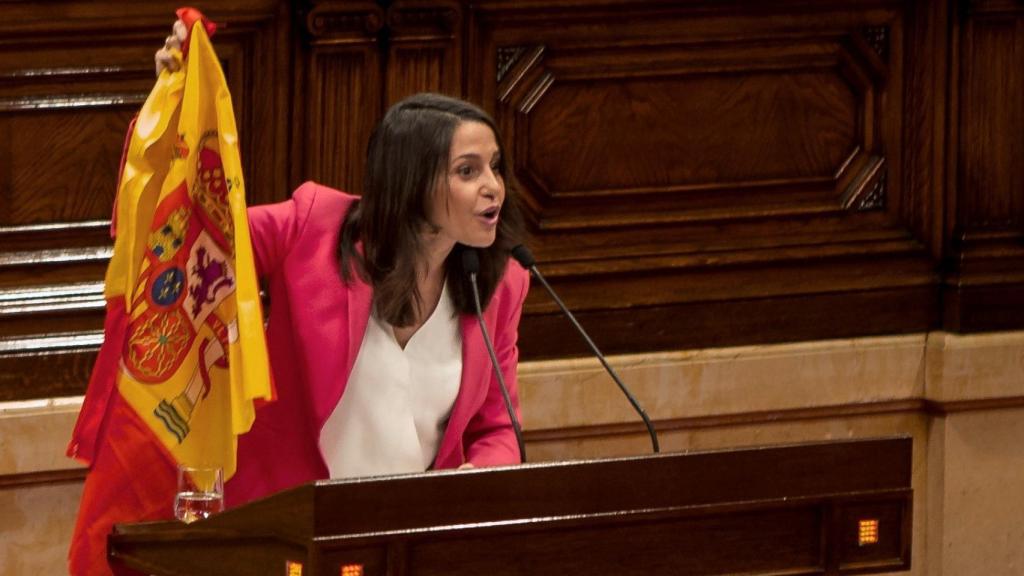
(758, 542)
(828, 508)
(238, 556)
(798, 538)
(564, 489)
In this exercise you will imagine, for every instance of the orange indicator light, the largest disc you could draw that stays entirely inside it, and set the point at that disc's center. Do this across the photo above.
(352, 570)
(867, 532)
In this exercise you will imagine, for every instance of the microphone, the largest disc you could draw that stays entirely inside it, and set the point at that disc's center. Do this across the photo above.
(523, 256)
(471, 265)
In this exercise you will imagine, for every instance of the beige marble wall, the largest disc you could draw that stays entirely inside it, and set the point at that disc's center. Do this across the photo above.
(975, 367)
(36, 519)
(982, 531)
(968, 473)
(739, 380)
(35, 528)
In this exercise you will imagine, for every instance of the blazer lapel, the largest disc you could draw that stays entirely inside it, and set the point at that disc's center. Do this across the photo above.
(360, 298)
(475, 376)
(348, 337)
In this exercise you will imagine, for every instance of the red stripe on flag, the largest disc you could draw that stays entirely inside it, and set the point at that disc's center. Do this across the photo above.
(102, 383)
(133, 479)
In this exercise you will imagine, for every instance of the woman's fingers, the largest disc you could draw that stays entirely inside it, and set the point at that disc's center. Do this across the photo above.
(180, 31)
(177, 37)
(164, 58)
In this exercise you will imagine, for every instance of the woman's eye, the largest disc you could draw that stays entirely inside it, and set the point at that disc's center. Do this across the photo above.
(465, 171)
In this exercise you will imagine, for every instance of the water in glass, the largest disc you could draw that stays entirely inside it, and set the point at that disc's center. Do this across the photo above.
(192, 506)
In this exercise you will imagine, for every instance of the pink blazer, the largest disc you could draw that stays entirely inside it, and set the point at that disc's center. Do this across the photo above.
(314, 332)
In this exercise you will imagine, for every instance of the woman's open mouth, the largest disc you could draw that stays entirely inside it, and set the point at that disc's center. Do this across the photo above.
(490, 216)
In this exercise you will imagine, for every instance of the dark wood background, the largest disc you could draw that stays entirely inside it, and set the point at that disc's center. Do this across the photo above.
(696, 173)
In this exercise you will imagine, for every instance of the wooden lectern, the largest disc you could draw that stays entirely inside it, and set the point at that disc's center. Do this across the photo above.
(827, 508)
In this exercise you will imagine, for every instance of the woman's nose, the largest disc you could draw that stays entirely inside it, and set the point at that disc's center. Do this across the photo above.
(492, 183)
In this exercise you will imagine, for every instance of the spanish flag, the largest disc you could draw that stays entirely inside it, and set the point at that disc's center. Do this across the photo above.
(184, 355)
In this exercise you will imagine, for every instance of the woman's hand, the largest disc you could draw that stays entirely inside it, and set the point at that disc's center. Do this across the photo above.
(164, 59)
(466, 466)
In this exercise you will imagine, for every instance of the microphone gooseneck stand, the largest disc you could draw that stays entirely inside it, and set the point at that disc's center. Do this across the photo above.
(471, 265)
(525, 258)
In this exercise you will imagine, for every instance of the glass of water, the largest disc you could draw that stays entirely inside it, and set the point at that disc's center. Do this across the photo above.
(200, 493)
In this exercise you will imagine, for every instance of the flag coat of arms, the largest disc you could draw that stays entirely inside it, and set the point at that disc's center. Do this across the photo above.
(184, 355)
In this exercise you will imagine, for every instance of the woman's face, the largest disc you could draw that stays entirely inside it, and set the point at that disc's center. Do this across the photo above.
(468, 210)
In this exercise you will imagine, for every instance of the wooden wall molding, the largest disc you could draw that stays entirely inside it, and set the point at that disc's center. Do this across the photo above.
(595, 87)
(334, 22)
(50, 365)
(878, 38)
(974, 405)
(867, 189)
(438, 19)
(47, 478)
(996, 8)
(507, 58)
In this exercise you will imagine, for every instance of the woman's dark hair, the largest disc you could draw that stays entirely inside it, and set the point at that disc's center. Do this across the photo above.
(406, 159)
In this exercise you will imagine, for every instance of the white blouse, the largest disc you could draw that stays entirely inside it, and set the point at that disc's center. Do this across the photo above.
(395, 407)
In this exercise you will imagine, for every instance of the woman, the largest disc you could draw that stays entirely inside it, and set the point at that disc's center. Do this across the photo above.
(378, 361)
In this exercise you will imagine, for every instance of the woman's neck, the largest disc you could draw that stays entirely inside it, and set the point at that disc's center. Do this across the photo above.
(429, 282)
(436, 249)
(430, 275)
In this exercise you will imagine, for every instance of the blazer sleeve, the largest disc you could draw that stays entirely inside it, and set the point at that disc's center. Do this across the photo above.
(274, 229)
(489, 438)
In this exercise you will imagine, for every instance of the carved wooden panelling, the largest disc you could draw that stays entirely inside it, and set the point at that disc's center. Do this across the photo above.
(342, 93)
(425, 49)
(695, 173)
(46, 185)
(259, 76)
(63, 115)
(985, 277)
(696, 129)
(417, 69)
(991, 174)
(695, 181)
(51, 366)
